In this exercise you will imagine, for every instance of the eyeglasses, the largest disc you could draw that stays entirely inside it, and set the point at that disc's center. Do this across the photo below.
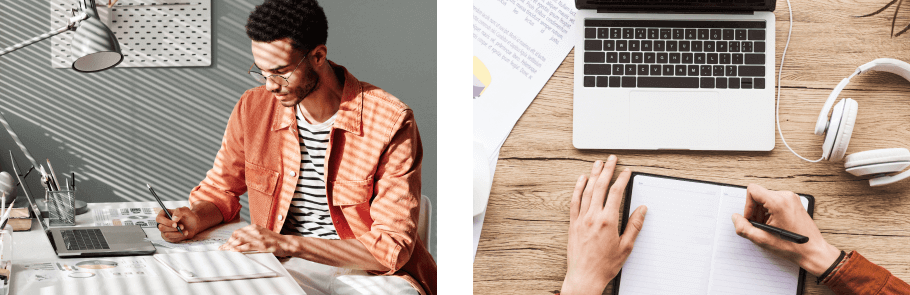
(259, 77)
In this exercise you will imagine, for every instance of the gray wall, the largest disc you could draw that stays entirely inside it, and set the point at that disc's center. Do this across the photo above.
(121, 128)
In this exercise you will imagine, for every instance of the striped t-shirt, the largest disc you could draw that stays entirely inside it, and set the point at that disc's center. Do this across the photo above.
(308, 215)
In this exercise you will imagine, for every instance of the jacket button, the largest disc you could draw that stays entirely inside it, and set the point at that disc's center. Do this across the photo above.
(293, 173)
(280, 217)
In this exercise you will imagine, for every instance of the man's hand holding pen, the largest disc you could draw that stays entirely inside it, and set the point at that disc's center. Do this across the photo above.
(185, 218)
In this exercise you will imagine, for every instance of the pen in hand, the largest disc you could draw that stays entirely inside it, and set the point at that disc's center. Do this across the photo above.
(162, 206)
(783, 234)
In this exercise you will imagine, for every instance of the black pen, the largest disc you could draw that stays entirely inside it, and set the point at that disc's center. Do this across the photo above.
(162, 206)
(784, 234)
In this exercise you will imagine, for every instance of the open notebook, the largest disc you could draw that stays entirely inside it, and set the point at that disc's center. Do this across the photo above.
(688, 244)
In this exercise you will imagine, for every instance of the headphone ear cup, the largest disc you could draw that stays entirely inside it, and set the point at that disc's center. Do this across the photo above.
(845, 131)
(832, 129)
(877, 161)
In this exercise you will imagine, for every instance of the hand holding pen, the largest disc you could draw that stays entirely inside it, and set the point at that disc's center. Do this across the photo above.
(177, 224)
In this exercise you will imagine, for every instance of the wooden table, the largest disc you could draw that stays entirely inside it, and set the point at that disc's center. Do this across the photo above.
(523, 244)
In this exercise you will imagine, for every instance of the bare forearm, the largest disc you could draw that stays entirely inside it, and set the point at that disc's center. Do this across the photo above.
(339, 253)
(208, 213)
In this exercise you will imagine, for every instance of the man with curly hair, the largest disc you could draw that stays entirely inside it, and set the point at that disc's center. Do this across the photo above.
(331, 164)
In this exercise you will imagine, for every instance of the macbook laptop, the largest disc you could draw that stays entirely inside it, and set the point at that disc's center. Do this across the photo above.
(86, 241)
(686, 75)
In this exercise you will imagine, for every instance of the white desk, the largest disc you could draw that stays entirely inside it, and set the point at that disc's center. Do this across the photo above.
(33, 246)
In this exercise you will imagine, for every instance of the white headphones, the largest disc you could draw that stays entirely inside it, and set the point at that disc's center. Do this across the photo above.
(837, 132)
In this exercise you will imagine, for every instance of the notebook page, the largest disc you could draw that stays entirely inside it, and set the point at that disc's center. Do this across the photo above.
(672, 254)
(741, 267)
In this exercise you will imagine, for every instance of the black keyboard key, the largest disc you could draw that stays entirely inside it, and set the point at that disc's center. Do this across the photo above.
(746, 83)
(665, 33)
(712, 58)
(641, 33)
(668, 70)
(612, 57)
(655, 70)
(721, 46)
(649, 57)
(709, 46)
(678, 33)
(757, 35)
(617, 69)
(718, 70)
(615, 33)
(737, 58)
(646, 45)
(667, 82)
(684, 46)
(615, 81)
(699, 58)
(747, 46)
(662, 58)
(696, 46)
(707, 82)
(752, 71)
(733, 83)
(634, 45)
(593, 45)
(755, 59)
(628, 33)
(636, 58)
(724, 58)
(597, 69)
(602, 81)
(731, 71)
(603, 33)
(715, 34)
(758, 83)
(740, 34)
(622, 45)
(691, 34)
(630, 70)
(671, 46)
(653, 34)
(589, 81)
(703, 34)
(643, 70)
(693, 70)
(680, 70)
(733, 47)
(759, 46)
(625, 57)
(628, 82)
(686, 58)
(590, 33)
(674, 58)
(659, 45)
(594, 57)
(720, 83)
(728, 34)
(705, 70)
(609, 45)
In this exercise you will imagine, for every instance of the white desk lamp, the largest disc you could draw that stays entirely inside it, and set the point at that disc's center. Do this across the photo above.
(94, 45)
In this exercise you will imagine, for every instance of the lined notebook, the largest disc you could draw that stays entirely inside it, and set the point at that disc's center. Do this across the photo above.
(688, 244)
(210, 266)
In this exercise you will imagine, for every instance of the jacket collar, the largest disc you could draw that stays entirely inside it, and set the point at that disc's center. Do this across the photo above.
(350, 110)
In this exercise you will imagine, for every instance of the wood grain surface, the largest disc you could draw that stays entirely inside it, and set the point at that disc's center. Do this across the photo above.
(523, 244)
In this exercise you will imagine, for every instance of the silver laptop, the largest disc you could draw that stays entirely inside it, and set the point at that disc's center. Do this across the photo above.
(86, 241)
(682, 75)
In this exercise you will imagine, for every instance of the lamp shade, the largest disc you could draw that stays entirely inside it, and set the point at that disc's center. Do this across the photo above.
(94, 44)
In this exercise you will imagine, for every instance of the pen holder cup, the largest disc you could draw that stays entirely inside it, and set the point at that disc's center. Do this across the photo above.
(61, 207)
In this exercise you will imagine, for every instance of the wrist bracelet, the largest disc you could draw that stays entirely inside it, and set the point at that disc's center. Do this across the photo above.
(830, 268)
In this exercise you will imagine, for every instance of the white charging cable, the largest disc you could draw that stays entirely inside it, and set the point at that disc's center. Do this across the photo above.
(780, 71)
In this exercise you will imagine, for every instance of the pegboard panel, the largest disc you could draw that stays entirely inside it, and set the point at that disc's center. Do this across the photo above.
(151, 33)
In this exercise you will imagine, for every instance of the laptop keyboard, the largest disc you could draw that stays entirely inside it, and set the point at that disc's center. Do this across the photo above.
(674, 54)
(84, 239)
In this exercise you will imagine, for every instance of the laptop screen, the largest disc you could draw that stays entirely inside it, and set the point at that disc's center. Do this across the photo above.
(677, 5)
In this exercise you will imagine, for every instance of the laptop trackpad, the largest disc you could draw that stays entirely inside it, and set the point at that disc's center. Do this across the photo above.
(673, 120)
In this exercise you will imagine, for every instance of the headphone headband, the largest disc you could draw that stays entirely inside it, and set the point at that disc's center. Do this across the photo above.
(889, 65)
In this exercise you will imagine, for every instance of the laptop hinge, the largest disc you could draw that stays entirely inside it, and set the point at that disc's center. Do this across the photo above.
(746, 12)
